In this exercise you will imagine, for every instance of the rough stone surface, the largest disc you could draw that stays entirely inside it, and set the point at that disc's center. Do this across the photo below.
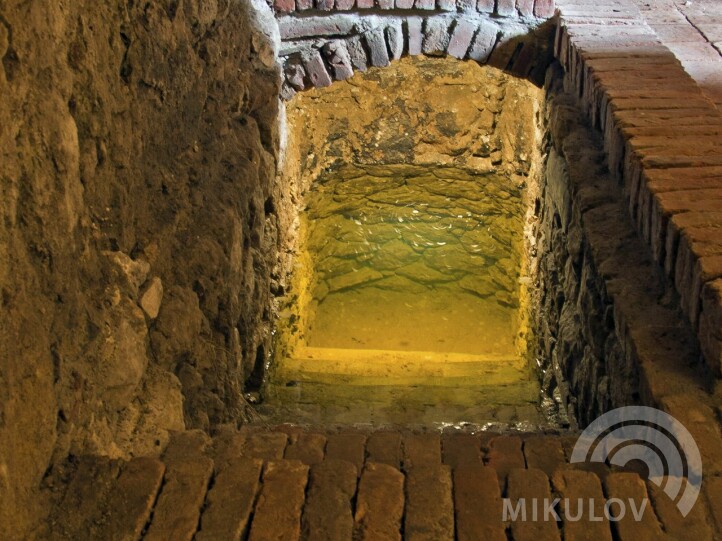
(128, 101)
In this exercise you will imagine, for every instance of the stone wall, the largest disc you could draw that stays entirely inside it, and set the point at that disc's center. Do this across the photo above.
(139, 226)
(610, 333)
(326, 41)
(482, 123)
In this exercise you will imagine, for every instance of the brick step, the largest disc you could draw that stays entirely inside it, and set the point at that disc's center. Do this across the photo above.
(382, 367)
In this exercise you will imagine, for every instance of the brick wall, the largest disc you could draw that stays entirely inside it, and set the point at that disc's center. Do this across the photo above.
(327, 41)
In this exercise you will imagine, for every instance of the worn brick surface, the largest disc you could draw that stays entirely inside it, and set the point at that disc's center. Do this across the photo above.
(421, 450)
(477, 503)
(309, 448)
(379, 503)
(230, 501)
(265, 445)
(505, 8)
(414, 35)
(630, 489)
(176, 513)
(461, 37)
(544, 453)
(328, 513)
(533, 488)
(376, 42)
(429, 504)
(316, 69)
(348, 446)
(277, 514)
(384, 447)
(460, 448)
(483, 43)
(505, 454)
(576, 486)
(131, 500)
(696, 525)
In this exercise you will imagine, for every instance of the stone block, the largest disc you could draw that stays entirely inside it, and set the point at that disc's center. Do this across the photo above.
(414, 35)
(278, 510)
(531, 486)
(525, 7)
(338, 59)
(505, 8)
(436, 36)
(485, 6)
(384, 447)
(303, 5)
(460, 449)
(365, 4)
(316, 69)
(385, 4)
(345, 5)
(579, 488)
(421, 450)
(446, 5)
(357, 53)
(710, 326)
(284, 6)
(429, 504)
(395, 40)
(404, 4)
(461, 37)
(348, 446)
(379, 503)
(504, 455)
(151, 298)
(324, 5)
(477, 504)
(378, 53)
(483, 43)
(425, 4)
(328, 513)
(466, 6)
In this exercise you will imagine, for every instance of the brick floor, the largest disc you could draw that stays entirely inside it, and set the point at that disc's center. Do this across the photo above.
(201, 490)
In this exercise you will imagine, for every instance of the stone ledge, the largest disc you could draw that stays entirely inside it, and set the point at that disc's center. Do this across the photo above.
(631, 86)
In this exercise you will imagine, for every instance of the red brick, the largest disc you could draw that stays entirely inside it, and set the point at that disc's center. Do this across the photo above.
(544, 453)
(710, 325)
(525, 7)
(177, 511)
(364, 4)
(429, 505)
(324, 5)
(630, 489)
(328, 513)
(316, 69)
(505, 8)
(405, 4)
(700, 420)
(384, 447)
(421, 450)
(284, 6)
(265, 445)
(504, 455)
(477, 504)
(131, 500)
(460, 448)
(696, 525)
(309, 448)
(543, 8)
(461, 38)
(379, 503)
(348, 446)
(575, 486)
(278, 510)
(485, 6)
(531, 486)
(345, 5)
(230, 502)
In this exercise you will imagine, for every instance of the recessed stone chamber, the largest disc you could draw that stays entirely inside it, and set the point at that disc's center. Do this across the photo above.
(416, 187)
